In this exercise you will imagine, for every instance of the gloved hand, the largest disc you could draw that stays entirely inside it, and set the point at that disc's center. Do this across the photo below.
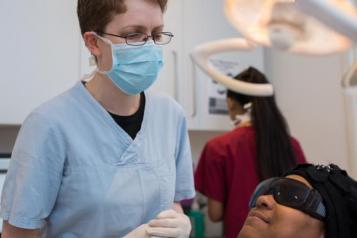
(170, 223)
(139, 232)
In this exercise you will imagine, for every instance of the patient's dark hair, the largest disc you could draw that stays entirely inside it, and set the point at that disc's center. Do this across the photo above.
(275, 153)
(339, 195)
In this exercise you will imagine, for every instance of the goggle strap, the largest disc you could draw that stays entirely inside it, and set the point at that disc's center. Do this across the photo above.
(318, 204)
(321, 210)
(314, 206)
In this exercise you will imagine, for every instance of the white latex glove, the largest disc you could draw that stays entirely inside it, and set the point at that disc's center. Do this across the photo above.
(170, 223)
(139, 232)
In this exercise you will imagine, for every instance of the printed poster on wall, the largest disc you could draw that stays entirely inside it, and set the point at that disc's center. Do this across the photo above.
(217, 92)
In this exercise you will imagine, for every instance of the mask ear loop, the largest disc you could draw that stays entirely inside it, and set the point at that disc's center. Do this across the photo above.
(246, 117)
(248, 106)
(93, 62)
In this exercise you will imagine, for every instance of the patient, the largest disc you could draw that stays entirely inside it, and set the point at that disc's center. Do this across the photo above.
(310, 202)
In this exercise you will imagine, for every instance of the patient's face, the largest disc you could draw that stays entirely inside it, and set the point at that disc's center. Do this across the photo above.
(272, 220)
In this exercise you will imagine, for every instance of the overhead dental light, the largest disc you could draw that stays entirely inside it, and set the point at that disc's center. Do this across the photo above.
(294, 25)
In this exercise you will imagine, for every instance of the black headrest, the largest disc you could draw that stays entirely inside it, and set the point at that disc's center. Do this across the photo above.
(339, 193)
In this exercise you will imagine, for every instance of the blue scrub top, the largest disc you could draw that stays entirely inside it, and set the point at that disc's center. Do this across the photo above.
(75, 173)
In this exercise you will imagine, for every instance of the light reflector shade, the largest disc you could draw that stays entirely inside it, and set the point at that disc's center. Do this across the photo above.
(281, 24)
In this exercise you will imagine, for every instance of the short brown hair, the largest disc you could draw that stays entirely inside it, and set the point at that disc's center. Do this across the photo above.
(94, 15)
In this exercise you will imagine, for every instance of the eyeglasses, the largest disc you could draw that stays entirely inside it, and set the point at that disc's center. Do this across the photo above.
(137, 39)
(291, 193)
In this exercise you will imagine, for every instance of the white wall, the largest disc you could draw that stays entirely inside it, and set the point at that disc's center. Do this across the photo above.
(309, 93)
(198, 140)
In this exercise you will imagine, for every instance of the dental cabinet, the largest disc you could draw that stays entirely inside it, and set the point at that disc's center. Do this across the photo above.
(43, 55)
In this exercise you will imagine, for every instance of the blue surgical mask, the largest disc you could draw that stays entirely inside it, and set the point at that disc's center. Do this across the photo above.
(135, 68)
(242, 118)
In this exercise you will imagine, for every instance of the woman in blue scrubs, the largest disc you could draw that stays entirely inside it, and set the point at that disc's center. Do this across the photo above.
(105, 158)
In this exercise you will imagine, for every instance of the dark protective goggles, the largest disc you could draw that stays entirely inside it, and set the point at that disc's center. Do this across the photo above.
(291, 193)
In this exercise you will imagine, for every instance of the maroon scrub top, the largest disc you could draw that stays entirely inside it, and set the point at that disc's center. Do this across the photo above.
(226, 173)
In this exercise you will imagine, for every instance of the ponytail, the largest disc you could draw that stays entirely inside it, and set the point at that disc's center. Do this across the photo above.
(275, 153)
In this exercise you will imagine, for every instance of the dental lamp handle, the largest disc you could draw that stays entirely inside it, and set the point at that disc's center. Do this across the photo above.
(201, 54)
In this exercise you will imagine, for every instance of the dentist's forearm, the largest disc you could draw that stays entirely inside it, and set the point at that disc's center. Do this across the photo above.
(10, 231)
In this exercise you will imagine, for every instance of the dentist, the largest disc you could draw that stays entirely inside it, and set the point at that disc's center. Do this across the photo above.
(105, 159)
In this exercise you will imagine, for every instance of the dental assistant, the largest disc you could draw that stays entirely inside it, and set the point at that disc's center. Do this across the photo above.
(259, 147)
(105, 159)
